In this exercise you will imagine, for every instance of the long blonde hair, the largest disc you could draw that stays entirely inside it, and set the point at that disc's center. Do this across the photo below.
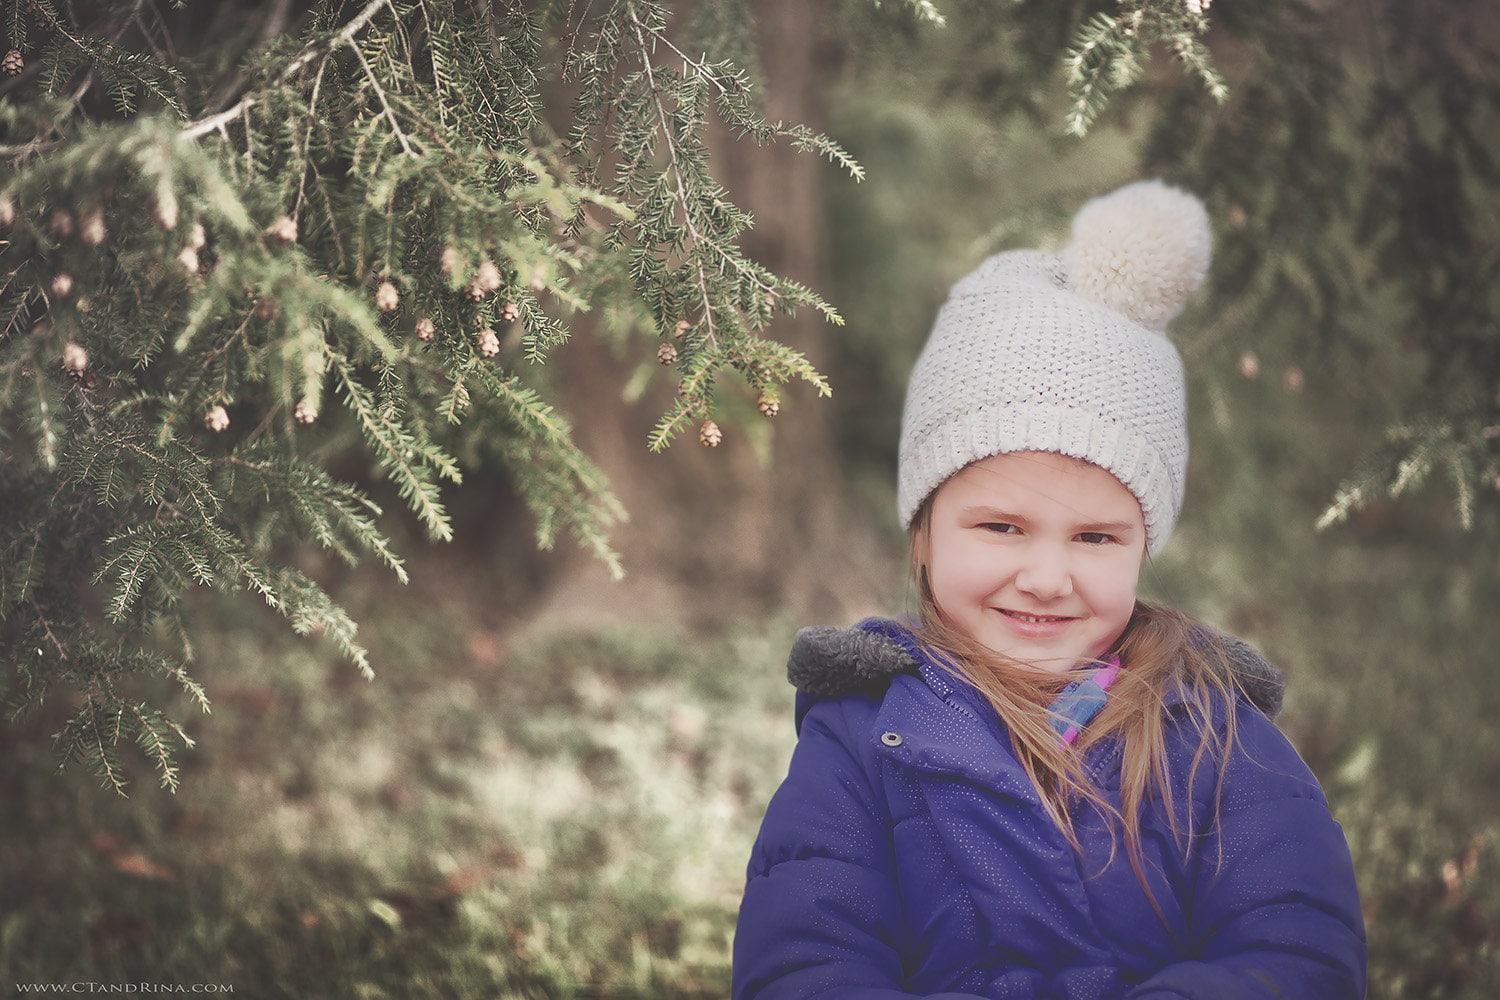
(1159, 647)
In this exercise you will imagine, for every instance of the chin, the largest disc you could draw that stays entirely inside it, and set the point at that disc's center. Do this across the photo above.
(1048, 661)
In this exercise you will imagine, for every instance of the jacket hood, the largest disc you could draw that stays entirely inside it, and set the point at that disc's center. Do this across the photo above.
(826, 661)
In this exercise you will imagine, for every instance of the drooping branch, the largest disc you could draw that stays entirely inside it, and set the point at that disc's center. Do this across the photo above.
(323, 47)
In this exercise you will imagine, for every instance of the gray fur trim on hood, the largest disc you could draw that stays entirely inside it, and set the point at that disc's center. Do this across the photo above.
(1257, 677)
(829, 661)
(826, 661)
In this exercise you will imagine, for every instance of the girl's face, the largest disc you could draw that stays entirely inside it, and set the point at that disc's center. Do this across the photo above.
(1035, 556)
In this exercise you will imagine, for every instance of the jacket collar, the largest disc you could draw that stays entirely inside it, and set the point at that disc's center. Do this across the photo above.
(829, 662)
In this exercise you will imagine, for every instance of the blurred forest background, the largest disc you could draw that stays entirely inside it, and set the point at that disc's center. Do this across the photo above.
(551, 785)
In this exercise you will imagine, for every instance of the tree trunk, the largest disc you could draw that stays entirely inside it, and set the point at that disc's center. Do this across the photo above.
(714, 534)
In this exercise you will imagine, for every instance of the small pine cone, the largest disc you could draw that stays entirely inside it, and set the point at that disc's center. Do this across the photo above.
(74, 358)
(767, 404)
(1249, 365)
(305, 412)
(450, 261)
(709, 434)
(666, 354)
(487, 277)
(510, 312)
(7, 212)
(1292, 379)
(216, 419)
(386, 297)
(188, 258)
(60, 224)
(12, 64)
(537, 284)
(426, 328)
(197, 238)
(62, 285)
(474, 291)
(489, 343)
(680, 330)
(283, 229)
(91, 230)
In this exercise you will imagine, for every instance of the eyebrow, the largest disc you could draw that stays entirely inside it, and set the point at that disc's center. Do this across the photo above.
(989, 513)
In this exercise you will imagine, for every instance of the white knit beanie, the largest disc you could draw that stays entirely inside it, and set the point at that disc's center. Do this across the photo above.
(1066, 353)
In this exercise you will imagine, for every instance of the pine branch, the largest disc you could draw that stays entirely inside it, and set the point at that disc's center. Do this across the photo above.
(318, 49)
(19, 565)
(337, 516)
(381, 217)
(1109, 52)
(806, 140)
(122, 69)
(309, 610)
(400, 455)
(105, 718)
(1101, 61)
(1411, 454)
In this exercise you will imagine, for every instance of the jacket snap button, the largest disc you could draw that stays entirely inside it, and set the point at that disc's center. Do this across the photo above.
(891, 739)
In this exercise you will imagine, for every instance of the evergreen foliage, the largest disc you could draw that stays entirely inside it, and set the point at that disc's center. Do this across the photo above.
(1111, 49)
(224, 261)
(1358, 182)
(380, 233)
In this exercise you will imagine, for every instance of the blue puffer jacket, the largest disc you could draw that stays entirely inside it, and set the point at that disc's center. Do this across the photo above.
(907, 854)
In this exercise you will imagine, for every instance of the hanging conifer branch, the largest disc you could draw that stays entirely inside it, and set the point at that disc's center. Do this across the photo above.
(319, 49)
(378, 231)
(1413, 452)
(1110, 51)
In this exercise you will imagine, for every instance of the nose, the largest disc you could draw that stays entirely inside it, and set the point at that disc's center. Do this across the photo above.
(1044, 574)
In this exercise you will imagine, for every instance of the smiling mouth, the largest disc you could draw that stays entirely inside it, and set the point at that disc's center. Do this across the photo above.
(1034, 619)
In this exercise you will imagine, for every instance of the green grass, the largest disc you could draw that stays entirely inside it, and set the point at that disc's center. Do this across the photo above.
(569, 819)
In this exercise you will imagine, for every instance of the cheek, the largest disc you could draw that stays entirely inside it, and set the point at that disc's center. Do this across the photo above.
(1114, 587)
(961, 573)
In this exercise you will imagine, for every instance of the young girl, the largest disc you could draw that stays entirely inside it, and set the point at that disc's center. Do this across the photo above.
(1044, 787)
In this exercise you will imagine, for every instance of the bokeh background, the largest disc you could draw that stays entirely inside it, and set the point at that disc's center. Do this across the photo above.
(551, 786)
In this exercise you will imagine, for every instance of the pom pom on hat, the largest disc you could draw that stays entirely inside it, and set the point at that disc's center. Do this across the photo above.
(1067, 353)
(1140, 250)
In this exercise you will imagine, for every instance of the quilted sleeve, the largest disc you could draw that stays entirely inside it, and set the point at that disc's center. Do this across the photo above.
(1274, 911)
(820, 916)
